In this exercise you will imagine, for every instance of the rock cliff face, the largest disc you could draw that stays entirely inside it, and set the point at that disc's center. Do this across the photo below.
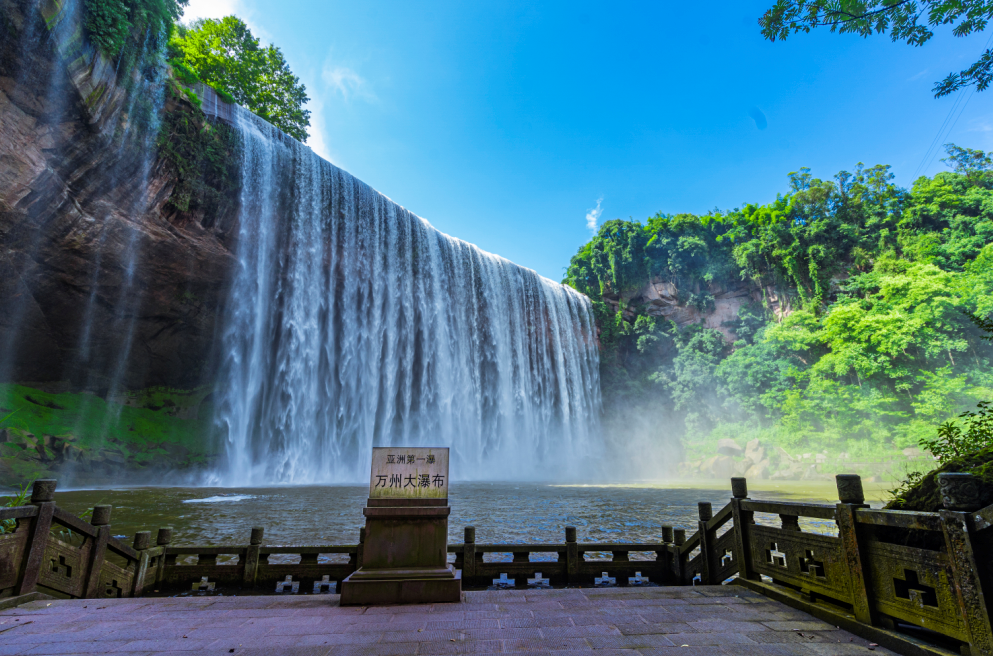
(722, 302)
(102, 282)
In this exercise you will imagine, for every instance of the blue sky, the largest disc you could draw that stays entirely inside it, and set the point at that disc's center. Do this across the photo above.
(513, 124)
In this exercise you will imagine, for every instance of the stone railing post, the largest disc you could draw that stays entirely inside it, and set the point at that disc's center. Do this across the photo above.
(851, 497)
(142, 542)
(678, 557)
(663, 556)
(469, 554)
(101, 521)
(162, 539)
(572, 556)
(42, 496)
(743, 521)
(707, 563)
(252, 557)
(960, 497)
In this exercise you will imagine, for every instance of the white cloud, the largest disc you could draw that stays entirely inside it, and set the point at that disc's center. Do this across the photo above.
(917, 76)
(212, 9)
(593, 215)
(347, 82)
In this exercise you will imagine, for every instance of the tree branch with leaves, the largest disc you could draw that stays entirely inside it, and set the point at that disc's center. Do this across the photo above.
(904, 20)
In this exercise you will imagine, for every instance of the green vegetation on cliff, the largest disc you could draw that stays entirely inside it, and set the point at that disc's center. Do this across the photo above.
(854, 338)
(117, 26)
(204, 155)
(48, 433)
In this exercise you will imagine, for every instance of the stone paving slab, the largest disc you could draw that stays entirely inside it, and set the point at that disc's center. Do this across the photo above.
(721, 620)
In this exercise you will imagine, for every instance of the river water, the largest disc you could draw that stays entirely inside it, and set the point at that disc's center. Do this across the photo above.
(501, 512)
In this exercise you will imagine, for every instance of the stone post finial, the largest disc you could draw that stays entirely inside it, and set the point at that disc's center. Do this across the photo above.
(43, 490)
(142, 540)
(706, 511)
(959, 491)
(570, 533)
(679, 537)
(362, 535)
(850, 488)
(101, 515)
(470, 534)
(164, 537)
(667, 534)
(739, 488)
(257, 533)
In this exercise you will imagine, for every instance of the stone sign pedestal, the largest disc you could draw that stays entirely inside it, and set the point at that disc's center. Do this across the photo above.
(405, 554)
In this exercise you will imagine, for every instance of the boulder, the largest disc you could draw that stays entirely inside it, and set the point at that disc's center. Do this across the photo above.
(758, 470)
(721, 467)
(791, 473)
(754, 451)
(729, 447)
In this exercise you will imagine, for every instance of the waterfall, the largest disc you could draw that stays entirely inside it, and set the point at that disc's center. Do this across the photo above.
(351, 322)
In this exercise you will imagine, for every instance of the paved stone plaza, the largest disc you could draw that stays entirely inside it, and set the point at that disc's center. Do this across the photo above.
(604, 621)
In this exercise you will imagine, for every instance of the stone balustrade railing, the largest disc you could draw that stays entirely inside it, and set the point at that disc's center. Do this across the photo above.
(913, 581)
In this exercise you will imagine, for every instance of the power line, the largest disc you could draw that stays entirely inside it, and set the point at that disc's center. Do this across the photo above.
(932, 150)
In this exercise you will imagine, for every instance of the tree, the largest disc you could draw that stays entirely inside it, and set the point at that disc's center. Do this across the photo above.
(906, 20)
(227, 56)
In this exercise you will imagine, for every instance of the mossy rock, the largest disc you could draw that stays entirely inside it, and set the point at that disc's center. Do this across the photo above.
(926, 495)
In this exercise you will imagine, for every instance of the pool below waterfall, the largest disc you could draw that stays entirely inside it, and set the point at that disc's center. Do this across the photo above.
(500, 512)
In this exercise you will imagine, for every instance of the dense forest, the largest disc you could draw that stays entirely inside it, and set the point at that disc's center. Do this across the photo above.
(856, 338)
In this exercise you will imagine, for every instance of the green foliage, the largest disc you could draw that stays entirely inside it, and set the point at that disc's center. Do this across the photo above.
(20, 498)
(921, 491)
(954, 441)
(169, 426)
(863, 341)
(113, 25)
(904, 20)
(224, 54)
(203, 155)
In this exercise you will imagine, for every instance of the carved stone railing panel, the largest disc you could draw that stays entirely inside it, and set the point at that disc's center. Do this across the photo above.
(116, 581)
(12, 549)
(727, 565)
(915, 585)
(64, 567)
(805, 560)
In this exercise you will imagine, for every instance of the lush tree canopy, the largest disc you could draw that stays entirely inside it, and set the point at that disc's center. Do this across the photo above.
(905, 20)
(225, 55)
(859, 338)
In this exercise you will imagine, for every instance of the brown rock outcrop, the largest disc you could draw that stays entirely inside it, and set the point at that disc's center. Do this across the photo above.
(663, 299)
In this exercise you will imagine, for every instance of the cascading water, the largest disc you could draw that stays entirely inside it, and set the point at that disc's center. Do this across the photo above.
(351, 322)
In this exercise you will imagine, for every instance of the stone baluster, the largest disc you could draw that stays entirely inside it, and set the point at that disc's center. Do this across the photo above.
(142, 543)
(42, 496)
(100, 519)
(678, 557)
(250, 573)
(572, 555)
(469, 554)
(708, 564)
(961, 497)
(743, 521)
(663, 557)
(851, 498)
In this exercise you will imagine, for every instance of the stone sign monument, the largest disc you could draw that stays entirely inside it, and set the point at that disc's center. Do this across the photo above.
(404, 558)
